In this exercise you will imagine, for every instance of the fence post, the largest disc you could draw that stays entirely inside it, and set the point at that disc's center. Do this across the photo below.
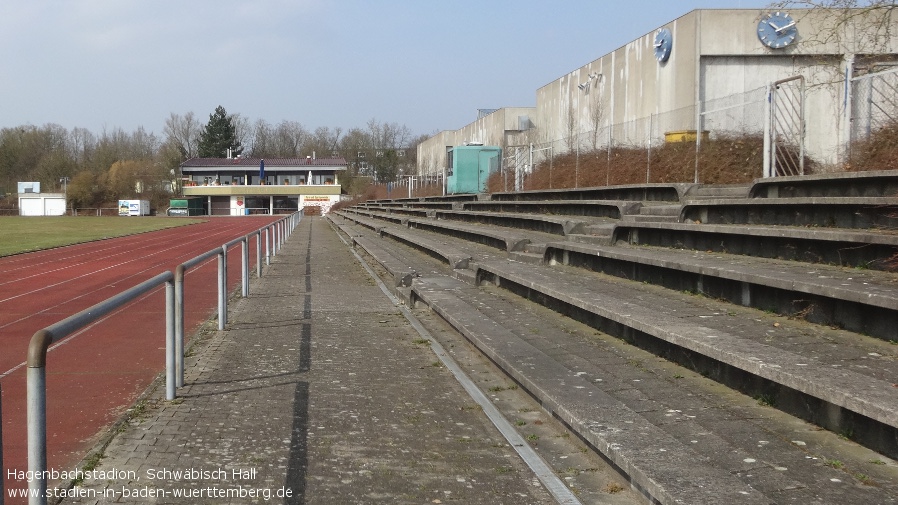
(223, 287)
(170, 348)
(179, 325)
(244, 263)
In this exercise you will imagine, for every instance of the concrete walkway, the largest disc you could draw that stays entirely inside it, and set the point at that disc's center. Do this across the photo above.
(315, 393)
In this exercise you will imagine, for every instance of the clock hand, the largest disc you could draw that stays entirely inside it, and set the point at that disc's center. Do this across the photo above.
(790, 25)
(773, 26)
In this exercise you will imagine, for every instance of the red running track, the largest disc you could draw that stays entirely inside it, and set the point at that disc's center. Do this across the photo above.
(94, 375)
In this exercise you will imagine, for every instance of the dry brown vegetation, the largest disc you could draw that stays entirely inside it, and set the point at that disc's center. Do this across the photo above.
(879, 152)
(720, 161)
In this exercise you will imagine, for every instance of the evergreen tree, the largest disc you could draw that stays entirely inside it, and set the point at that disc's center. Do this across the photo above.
(218, 135)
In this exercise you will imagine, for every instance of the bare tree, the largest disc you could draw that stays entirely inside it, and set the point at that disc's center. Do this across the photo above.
(570, 126)
(290, 138)
(323, 141)
(184, 132)
(263, 140)
(596, 118)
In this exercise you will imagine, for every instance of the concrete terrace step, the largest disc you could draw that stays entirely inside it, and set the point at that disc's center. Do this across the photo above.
(882, 183)
(649, 218)
(502, 238)
(659, 192)
(558, 225)
(702, 191)
(456, 258)
(584, 208)
(861, 213)
(643, 450)
(838, 246)
(383, 217)
(843, 398)
(660, 210)
(857, 300)
(723, 431)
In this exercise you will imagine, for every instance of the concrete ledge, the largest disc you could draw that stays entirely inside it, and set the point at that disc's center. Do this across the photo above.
(506, 240)
(825, 212)
(882, 183)
(631, 192)
(847, 247)
(581, 208)
(535, 222)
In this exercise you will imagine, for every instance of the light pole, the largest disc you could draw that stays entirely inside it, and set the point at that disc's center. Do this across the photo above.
(65, 190)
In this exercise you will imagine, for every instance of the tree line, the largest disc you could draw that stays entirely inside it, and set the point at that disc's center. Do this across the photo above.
(99, 169)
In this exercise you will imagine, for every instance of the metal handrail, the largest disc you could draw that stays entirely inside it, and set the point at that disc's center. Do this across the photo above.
(174, 339)
(36, 375)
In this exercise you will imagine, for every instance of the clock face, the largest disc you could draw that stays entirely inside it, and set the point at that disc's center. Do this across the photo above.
(663, 44)
(777, 30)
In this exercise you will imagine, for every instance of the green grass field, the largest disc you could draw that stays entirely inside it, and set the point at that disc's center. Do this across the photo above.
(25, 234)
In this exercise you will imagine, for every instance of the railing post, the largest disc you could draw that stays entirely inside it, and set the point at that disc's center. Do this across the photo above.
(258, 258)
(179, 325)
(223, 287)
(244, 264)
(267, 245)
(36, 374)
(170, 347)
(36, 415)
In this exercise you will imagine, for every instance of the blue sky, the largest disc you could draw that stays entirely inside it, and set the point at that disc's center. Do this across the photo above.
(102, 64)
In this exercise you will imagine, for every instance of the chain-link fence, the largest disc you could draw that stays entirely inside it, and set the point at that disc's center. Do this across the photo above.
(730, 139)
(666, 147)
(874, 118)
(874, 103)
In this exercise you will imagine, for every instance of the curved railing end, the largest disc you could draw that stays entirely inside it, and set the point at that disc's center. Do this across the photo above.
(37, 349)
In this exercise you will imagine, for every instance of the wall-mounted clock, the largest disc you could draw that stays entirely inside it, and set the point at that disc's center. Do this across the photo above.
(663, 44)
(777, 30)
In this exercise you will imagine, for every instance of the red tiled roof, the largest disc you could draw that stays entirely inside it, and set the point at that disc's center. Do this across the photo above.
(269, 162)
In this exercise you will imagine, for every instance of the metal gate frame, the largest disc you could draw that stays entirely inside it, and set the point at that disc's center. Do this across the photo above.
(784, 127)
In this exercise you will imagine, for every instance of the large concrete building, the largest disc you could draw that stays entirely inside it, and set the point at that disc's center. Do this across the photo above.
(713, 71)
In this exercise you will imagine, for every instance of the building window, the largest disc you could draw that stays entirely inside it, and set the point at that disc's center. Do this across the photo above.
(379, 154)
(360, 154)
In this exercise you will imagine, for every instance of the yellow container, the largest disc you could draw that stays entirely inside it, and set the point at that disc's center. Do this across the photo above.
(684, 136)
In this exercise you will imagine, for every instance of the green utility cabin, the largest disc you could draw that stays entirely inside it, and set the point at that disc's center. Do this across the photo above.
(470, 167)
(186, 207)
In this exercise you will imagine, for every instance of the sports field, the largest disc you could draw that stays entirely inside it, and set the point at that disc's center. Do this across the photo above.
(25, 234)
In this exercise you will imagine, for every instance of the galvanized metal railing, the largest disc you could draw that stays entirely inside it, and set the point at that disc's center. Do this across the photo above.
(275, 235)
(36, 369)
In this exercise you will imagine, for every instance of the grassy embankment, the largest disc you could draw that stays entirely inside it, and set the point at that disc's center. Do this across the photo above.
(26, 234)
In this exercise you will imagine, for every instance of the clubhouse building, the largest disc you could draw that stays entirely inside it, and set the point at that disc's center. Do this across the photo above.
(242, 186)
